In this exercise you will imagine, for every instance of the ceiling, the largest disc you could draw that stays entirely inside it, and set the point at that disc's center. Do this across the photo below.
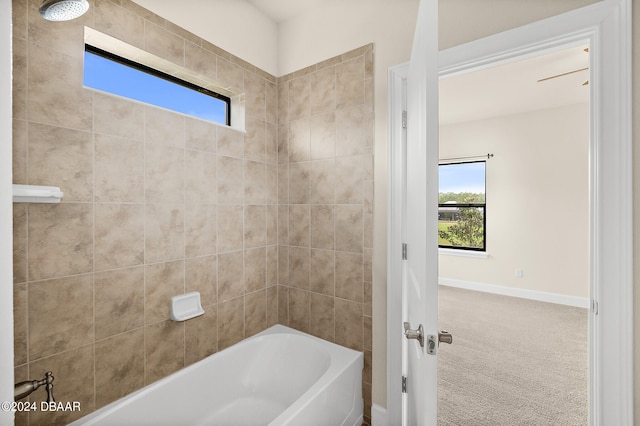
(281, 10)
(514, 88)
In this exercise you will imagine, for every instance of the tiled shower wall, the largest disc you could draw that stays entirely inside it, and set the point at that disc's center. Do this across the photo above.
(157, 204)
(325, 199)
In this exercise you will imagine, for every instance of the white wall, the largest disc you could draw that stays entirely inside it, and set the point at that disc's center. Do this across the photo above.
(233, 25)
(6, 215)
(537, 200)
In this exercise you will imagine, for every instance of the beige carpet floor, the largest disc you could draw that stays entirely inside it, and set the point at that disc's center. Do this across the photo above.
(512, 362)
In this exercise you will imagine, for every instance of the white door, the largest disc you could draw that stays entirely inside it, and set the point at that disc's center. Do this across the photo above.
(420, 289)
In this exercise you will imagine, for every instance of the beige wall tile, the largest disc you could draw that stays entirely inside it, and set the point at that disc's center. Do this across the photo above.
(20, 324)
(164, 349)
(272, 306)
(351, 133)
(200, 60)
(230, 275)
(300, 140)
(350, 83)
(57, 98)
(322, 226)
(201, 234)
(230, 228)
(200, 178)
(201, 135)
(299, 93)
(230, 142)
(119, 301)
(164, 232)
(118, 22)
(163, 43)
(271, 143)
(283, 143)
(255, 90)
(299, 181)
(323, 91)
(164, 174)
(230, 180)
(119, 169)
(271, 184)
(349, 276)
(322, 181)
(162, 127)
(162, 282)
(255, 312)
(231, 74)
(299, 225)
(299, 263)
(60, 315)
(283, 265)
(119, 366)
(322, 272)
(255, 261)
(349, 326)
(322, 316)
(283, 305)
(201, 274)
(254, 182)
(255, 226)
(201, 335)
(283, 184)
(348, 223)
(119, 235)
(65, 229)
(117, 116)
(272, 265)
(323, 136)
(299, 314)
(230, 322)
(20, 241)
(20, 138)
(64, 157)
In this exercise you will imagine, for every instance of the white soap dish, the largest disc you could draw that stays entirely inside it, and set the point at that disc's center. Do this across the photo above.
(186, 306)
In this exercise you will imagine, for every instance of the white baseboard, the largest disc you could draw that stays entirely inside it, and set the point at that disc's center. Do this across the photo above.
(378, 416)
(560, 299)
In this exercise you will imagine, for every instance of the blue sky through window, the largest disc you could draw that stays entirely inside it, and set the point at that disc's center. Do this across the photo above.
(110, 76)
(462, 177)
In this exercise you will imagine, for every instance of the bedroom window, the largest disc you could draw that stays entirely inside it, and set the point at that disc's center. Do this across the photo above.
(461, 206)
(108, 72)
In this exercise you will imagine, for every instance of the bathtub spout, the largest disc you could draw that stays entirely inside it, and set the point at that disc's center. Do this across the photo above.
(24, 389)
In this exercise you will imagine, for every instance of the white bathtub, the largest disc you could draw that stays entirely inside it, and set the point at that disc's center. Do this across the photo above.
(278, 377)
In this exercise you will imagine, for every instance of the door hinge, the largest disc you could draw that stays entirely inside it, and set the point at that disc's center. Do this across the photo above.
(404, 384)
(404, 251)
(594, 307)
(404, 119)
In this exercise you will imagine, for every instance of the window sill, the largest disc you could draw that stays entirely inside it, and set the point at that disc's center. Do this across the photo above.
(463, 253)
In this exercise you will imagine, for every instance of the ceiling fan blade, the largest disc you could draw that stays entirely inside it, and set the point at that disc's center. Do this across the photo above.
(563, 74)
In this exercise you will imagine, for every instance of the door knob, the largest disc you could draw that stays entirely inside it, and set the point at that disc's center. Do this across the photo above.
(434, 341)
(445, 337)
(414, 334)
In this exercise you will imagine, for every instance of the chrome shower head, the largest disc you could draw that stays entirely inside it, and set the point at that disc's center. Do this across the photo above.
(63, 10)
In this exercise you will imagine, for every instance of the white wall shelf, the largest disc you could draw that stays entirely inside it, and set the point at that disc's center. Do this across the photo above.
(36, 194)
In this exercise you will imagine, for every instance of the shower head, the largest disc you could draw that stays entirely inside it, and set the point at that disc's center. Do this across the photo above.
(63, 10)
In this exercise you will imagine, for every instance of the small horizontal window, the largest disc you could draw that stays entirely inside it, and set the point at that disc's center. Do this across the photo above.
(111, 73)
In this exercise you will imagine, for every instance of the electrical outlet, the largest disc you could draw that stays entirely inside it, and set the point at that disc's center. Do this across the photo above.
(518, 273)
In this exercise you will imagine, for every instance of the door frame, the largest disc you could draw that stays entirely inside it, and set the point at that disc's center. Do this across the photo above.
(606, 25)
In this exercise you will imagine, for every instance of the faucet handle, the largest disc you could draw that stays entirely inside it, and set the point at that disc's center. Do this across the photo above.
(48, 380)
